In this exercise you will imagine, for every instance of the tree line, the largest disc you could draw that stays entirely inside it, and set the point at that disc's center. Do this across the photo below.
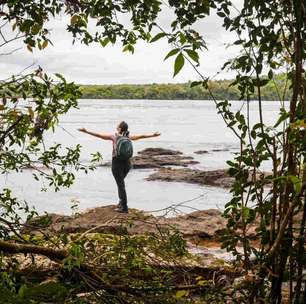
(221, 89)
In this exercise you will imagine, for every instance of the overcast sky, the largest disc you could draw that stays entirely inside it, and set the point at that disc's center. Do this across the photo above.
(96, 65)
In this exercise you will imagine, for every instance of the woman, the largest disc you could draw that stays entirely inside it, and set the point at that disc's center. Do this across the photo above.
(120, 168)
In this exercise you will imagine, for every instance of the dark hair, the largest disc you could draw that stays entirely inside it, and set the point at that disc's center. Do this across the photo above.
(124, 128)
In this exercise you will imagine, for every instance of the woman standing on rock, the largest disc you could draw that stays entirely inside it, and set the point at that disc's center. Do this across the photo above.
(122, 152)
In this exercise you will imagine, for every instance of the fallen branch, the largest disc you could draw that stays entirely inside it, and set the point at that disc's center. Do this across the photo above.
(53, 254)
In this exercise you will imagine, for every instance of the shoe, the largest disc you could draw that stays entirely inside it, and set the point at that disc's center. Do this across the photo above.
(121, 210)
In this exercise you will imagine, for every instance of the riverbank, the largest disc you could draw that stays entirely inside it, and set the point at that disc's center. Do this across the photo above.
(175, 91)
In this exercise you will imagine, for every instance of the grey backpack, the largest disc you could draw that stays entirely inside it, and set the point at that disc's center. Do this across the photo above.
(124, 148)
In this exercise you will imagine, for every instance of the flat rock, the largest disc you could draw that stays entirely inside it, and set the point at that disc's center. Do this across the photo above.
(218, 178)
(152, 158)
(220, 150)
(201, 152)
(159, 151)
(205, 224)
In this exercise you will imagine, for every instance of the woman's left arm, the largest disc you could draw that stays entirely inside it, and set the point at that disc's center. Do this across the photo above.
(142, 136)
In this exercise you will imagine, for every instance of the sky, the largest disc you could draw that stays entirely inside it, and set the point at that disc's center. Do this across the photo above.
(96, 65)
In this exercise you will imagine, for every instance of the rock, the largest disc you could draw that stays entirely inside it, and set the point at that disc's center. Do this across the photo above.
(159, 151)
(101, 219)
(220, 150)
(198, 225)
(158, 161)
(152, 158)
(201, 152)
(218, 178)
(202, 224)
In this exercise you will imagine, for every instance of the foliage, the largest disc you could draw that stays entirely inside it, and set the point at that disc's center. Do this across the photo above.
(31, 106)
(222, 89)
(271, 36)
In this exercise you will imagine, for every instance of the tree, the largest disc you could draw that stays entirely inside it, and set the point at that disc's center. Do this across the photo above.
(271, 35)
(31, 105)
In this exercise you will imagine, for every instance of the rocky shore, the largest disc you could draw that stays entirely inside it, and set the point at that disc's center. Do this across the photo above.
(204, 224)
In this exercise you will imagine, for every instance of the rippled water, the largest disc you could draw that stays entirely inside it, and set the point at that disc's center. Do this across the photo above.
(187, 126)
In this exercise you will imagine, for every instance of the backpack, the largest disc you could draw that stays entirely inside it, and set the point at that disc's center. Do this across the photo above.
(124, 148)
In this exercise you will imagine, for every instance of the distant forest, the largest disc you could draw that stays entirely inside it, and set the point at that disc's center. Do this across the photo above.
(220, 88)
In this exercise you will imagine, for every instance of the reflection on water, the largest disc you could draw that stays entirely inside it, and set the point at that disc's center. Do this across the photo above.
(187, 126)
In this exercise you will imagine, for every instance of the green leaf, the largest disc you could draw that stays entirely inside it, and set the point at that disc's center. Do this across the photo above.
(297, 183)
(104, 42)
(45, 44)
(172, 53)
(285, 115)
(181, 293)
(193, 55)
(157, 37)
(178, 64)
(74, 19)
(35, 29)
(128, 48)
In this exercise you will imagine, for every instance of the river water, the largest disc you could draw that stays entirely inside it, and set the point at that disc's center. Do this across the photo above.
(186, 125)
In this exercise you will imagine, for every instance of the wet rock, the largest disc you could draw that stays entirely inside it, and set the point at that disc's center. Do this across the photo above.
(220, 150)
(159, 151)
(152, 158)
(159, 161)
(201, 152)
(218, 178)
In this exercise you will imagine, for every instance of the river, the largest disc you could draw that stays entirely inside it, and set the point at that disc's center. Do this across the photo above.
(185, 125)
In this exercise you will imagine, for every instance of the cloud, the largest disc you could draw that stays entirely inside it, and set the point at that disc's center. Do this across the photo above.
(96, 65)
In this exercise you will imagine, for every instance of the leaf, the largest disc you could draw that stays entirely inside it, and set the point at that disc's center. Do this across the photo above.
(31, 112)
(297, 183)
(245, 212)
(29, 48)
(74, 19)
(178, 64)
(45, 44)
(181, 293)
(193, 55)
(285, 115)
(157, 37)
(128, 48)
(125, 48)
(172, 53)
(35, 29)
(104, 42)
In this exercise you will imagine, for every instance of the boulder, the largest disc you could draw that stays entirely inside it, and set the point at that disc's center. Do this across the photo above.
(218, 178)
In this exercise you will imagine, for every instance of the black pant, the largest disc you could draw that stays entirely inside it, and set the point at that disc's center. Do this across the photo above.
(120, 169)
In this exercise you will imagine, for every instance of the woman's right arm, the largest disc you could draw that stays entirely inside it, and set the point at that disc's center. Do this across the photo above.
(99, 135)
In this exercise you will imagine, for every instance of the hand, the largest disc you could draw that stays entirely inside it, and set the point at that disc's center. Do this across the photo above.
(82, 130)
(156, 134)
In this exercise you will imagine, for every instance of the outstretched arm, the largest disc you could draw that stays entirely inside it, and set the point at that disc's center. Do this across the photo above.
(100, 135)
(137, 137)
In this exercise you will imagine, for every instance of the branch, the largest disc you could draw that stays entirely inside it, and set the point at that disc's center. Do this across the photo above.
(53, 254)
